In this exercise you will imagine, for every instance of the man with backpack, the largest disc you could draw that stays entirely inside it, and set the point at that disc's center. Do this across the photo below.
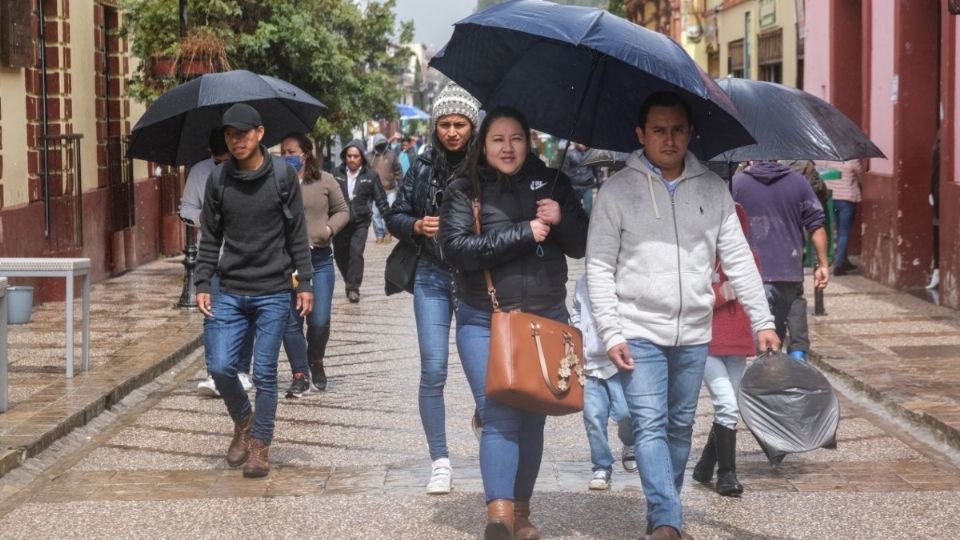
(253, 209)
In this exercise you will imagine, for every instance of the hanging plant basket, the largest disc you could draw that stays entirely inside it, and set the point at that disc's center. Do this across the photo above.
(163, 67)
(202, 52)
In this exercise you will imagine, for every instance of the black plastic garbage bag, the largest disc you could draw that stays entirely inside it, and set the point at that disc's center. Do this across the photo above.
(789, 406)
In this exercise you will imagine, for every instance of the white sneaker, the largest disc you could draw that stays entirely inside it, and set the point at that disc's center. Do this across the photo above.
(246, 382)
(208, 389)
(441, 477)
(600, 480)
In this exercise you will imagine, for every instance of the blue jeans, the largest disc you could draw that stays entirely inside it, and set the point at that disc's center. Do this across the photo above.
(661, 393)
(379, 226)
(433, 309)
(294, 344)
(233, 318)
(246, 351)
(602, 399)
(511, 446)
(586, 199)
(843, 212)
(318, 322)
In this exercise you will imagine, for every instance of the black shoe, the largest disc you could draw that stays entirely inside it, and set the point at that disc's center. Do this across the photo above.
(703, 471)
(299, 387)
(726, 441)
(839, 271)
(318, 376)
(353, 296)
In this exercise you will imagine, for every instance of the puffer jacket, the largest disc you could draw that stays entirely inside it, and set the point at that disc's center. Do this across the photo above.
(419, 196)
(525, 278)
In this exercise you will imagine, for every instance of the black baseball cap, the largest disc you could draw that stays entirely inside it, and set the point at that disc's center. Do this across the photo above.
(242, 116)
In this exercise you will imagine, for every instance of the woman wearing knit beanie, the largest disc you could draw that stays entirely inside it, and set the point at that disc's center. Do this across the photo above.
(413, 218)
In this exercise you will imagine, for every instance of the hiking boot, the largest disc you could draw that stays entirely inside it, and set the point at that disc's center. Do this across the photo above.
(208, 388)
(522, 528)
(238, 452)
(299, 387)
(318, 377)
(600, 480)
(629, 459)
(441, 477)
(664, 532)
(258, 464)
(499, 520)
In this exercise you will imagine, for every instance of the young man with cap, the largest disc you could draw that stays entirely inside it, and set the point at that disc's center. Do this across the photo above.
(264, 238)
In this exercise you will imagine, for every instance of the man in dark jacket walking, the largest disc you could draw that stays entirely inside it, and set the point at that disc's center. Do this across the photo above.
(781, 205)
(362, 189)
(253, 208)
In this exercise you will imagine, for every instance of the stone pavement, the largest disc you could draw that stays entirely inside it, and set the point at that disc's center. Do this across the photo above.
(352, 462)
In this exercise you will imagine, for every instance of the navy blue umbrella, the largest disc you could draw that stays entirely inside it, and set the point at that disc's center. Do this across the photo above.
(792, 124)
(176, 127)
(582, 74)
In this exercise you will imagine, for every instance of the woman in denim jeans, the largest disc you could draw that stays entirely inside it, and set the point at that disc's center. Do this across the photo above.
(326, 213)
(530, 221)
(413, 219)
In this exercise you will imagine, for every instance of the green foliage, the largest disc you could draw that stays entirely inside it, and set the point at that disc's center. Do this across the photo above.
(347, 58)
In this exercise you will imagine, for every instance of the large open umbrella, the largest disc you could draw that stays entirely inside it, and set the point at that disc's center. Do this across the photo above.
(582, 74)
(175, 128)
(792, 124)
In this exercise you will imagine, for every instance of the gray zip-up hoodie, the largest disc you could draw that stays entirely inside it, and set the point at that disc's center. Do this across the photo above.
(650, 256)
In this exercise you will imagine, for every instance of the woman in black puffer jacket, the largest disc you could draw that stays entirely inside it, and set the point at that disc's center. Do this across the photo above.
(530, 221)
(413, 219)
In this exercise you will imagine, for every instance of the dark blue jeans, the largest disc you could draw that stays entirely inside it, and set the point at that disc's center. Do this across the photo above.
(844, 212)
(298, 349)
(234, 316)
(511, 446)
(246, 351)
(433, 309)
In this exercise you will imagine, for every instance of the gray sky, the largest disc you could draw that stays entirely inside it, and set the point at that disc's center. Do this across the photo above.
(433, 19)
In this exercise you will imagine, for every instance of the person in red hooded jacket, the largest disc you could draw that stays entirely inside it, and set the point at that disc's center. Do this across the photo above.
(730, 345)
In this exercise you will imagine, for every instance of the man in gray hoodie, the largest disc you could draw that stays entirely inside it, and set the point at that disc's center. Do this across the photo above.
(657, 231)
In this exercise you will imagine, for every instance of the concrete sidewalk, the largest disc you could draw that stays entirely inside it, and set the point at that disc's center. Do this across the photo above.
(896, 348)
(136, 333)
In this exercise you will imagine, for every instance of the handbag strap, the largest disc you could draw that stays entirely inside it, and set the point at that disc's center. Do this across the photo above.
(491, 291)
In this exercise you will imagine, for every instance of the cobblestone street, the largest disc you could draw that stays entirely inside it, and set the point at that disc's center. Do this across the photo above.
(352, 462)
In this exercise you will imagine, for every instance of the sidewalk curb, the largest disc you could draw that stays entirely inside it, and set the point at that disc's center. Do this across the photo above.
(940, 430)
(184, 343)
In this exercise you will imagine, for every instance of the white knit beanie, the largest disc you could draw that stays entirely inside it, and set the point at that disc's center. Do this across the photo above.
(455, 100)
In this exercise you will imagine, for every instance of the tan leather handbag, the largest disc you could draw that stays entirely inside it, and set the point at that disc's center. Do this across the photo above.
(535, 363)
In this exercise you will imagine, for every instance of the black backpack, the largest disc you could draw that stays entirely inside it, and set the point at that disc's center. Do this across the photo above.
(283, 191)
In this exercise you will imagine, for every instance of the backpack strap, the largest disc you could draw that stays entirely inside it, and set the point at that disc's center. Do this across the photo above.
(283, 190)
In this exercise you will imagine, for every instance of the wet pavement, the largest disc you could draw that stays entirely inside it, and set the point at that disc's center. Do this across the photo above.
(351, 462)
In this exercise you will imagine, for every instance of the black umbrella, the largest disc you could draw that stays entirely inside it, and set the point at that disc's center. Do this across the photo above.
(792, 124)
(175, 128)
(582, 74)
(788, 405)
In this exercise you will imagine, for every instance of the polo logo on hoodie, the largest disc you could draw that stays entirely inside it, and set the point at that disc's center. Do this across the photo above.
(537, 184)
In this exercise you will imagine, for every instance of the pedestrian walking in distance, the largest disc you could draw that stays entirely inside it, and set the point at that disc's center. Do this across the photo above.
(385, 163)
(326, 214)
(361, 189)
(252, 208)
(656, 232)
(413, 218)
(530, 223)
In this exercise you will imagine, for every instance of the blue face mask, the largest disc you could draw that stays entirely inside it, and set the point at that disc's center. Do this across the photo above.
(295, 161)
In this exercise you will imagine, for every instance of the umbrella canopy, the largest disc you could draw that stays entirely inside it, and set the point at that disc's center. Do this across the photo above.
(409, 112)
(566, 66)
(792, 124)
(175, 128)
(788, 405)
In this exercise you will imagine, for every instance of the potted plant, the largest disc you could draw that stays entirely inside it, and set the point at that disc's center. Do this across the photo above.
(202, 52)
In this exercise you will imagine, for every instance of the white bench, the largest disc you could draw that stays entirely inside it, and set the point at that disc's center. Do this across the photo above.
(65, 268)
(3, 344)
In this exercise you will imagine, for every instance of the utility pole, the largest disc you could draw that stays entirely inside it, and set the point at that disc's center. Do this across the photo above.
(188, 296)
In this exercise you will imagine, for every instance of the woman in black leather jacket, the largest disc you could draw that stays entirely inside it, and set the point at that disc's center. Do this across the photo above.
(530, 221)
(413, 219)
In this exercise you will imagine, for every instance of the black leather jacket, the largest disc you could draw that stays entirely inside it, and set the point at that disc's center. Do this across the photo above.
(524, 279)
(367, 189)
(418, 196)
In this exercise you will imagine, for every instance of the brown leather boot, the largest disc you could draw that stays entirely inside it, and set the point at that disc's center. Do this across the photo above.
(258, 465)
(237, 453)
(664, 532)
(499, 520)
(522, 528)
